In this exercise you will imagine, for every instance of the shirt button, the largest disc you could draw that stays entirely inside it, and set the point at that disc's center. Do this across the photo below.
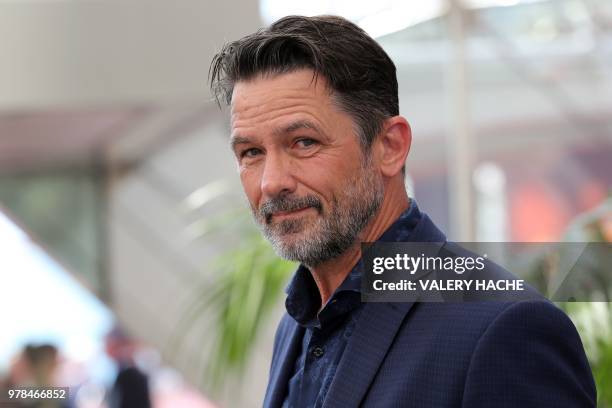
(317, 351)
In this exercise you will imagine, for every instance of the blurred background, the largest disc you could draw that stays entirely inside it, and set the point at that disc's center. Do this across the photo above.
(127, 254)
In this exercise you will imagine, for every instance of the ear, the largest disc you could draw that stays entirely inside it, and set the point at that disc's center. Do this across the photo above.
(394, 144)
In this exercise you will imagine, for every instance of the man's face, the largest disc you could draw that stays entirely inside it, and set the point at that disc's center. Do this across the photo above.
(310, 186)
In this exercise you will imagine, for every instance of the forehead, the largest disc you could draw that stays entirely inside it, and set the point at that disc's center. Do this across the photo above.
(268, 96)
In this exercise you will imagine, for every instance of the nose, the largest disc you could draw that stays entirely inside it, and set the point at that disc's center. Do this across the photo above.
(277, 176)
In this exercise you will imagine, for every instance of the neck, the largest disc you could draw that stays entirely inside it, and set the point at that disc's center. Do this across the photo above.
(329, 275)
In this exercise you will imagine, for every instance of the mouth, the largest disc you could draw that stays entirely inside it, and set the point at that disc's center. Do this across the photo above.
(290, 214)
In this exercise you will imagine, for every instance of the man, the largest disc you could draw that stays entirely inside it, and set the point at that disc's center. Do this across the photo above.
(131, 386)
(321, 148)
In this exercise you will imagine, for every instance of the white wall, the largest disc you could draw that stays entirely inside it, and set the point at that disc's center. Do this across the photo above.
(82, 53)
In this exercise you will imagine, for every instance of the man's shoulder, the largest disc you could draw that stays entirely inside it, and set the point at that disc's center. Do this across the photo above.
(456, 332)
(482, 349)
(480, 315)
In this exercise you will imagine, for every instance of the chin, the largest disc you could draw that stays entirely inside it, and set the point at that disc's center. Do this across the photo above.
(292, 240)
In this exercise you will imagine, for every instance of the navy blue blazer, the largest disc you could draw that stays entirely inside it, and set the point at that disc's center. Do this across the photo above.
(471, 354)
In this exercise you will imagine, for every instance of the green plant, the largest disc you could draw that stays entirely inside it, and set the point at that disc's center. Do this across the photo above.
(594, 319)
(248, 282)
(594, 323)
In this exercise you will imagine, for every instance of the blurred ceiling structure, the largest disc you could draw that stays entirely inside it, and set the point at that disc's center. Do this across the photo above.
(72, 87)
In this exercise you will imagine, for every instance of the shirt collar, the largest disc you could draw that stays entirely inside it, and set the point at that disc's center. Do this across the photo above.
(303, 298)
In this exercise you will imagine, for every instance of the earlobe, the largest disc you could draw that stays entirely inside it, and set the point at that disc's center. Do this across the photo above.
(395, 144)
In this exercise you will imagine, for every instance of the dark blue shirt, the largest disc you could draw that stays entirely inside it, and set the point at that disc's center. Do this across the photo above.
(328, 331)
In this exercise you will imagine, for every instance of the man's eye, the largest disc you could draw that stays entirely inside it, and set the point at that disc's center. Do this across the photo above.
(248, 153)
(305, 142)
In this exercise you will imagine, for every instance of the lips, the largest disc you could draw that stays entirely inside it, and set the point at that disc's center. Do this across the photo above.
(289, 213)
(288, 206)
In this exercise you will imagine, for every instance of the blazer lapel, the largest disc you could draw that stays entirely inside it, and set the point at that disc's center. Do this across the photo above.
(374, 334)
(368, 346)
(279, 377)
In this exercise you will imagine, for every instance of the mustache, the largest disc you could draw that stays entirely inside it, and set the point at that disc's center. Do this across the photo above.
(287, 203)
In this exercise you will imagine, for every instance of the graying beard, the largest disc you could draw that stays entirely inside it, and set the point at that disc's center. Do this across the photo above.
(339, 231)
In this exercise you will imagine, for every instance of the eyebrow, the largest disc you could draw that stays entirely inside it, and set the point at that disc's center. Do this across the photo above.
(236, 140)
(300, 124)
(292, 127)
